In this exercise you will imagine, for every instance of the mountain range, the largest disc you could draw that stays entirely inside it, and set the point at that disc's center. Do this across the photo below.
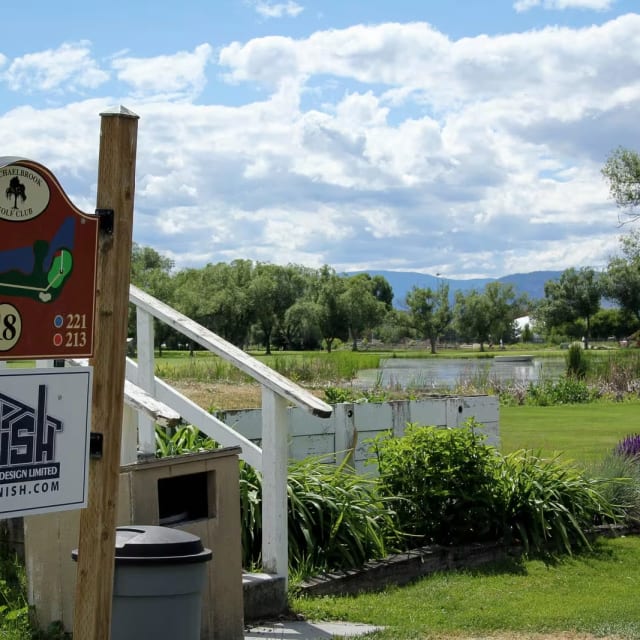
(403, 281)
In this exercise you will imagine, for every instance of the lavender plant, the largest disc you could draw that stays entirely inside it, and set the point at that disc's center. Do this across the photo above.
(629, 446)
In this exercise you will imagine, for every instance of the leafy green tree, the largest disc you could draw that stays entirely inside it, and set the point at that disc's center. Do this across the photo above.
(217, 296)
(361, 307)
(396, 326)
(618, 323)
(430, 312)
(300, 328)
(490, 315)
(473, 316)
(381, 289)
(621, 282)
(273, 289)
(576, 295)
(622, 170)
(332, 316)
(505, 306)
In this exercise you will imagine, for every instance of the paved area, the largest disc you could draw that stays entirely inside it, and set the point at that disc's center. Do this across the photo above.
(298, 630)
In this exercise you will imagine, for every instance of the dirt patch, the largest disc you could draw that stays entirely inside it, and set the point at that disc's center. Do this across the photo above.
(221, 396)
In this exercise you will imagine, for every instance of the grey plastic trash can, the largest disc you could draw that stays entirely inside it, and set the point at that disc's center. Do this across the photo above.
(158, 581)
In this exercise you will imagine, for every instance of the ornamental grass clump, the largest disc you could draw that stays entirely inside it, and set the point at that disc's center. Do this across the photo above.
(336, 518)
(549, 505)
(620, 475)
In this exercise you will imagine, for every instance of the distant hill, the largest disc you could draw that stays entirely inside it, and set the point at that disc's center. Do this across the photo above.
(403, 281)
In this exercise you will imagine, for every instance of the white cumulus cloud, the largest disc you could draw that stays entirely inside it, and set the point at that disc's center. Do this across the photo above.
(269, 9)
(177, 74)
(596, 5)
(69, 68)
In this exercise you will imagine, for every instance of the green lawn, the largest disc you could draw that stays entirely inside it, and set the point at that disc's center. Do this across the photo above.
(596, 593)
(582, 432)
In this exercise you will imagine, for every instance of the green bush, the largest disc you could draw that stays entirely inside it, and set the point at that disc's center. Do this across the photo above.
(563, 391)
(441, 483)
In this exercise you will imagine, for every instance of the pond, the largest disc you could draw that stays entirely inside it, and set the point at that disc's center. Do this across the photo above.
(445, 372)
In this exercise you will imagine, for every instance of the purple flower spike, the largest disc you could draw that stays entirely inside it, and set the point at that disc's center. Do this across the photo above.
(629, 447)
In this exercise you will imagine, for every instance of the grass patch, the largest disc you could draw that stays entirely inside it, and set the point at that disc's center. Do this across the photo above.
(313, 367)
(581, 432)
(593, 593)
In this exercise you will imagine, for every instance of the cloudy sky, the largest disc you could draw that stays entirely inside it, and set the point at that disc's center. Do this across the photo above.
(457, 137)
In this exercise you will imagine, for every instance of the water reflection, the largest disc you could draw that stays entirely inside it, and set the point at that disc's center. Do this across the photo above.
(440, 372)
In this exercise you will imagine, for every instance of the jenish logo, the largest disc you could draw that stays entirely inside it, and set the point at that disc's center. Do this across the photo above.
(27, 440)
(24, 194)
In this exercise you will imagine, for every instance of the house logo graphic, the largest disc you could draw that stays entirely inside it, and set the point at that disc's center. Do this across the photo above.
(27, 440)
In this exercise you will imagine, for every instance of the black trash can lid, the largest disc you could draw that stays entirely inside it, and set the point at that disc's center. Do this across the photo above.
(148, 544)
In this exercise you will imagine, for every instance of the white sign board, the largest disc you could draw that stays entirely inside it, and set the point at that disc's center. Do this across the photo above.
(44, 440)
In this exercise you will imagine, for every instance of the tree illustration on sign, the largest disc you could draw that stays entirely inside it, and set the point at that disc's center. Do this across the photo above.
(16, 190)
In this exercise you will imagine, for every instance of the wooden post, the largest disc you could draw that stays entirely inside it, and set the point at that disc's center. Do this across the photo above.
(116, 186)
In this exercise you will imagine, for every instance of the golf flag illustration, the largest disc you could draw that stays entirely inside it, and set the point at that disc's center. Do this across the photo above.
(48, 252)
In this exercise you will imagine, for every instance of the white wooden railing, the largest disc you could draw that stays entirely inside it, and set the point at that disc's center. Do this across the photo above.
(151, 400)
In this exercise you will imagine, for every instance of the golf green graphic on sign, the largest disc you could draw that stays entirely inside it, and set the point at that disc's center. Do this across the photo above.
(39, 271)
(48, 251)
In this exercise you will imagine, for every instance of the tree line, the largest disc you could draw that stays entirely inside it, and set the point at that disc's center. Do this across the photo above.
(294, 307)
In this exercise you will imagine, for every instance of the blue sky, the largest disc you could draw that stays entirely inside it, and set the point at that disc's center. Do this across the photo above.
(464, 138)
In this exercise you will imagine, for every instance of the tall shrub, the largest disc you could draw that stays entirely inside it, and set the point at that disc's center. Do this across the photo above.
(441, 483)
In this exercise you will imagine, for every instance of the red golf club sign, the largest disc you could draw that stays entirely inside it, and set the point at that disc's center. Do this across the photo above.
(48, 251)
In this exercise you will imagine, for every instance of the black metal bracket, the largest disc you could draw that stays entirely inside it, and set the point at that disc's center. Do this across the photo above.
(106, 216)
(95, 445)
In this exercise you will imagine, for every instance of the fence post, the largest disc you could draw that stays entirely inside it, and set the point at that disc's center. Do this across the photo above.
(274, 484)
(346, 436)
(146, 378)
(96, 547)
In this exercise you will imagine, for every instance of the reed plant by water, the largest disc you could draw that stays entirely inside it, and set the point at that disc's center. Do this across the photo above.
(209, 369)
(308, 367)
(317, 367)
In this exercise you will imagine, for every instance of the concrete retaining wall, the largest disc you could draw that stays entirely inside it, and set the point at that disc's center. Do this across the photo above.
(352, 424)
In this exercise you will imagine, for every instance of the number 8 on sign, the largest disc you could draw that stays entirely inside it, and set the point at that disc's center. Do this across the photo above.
(10, 326)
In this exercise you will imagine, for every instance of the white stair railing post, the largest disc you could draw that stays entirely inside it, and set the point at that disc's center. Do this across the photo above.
(146, 378)
(275, 461)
